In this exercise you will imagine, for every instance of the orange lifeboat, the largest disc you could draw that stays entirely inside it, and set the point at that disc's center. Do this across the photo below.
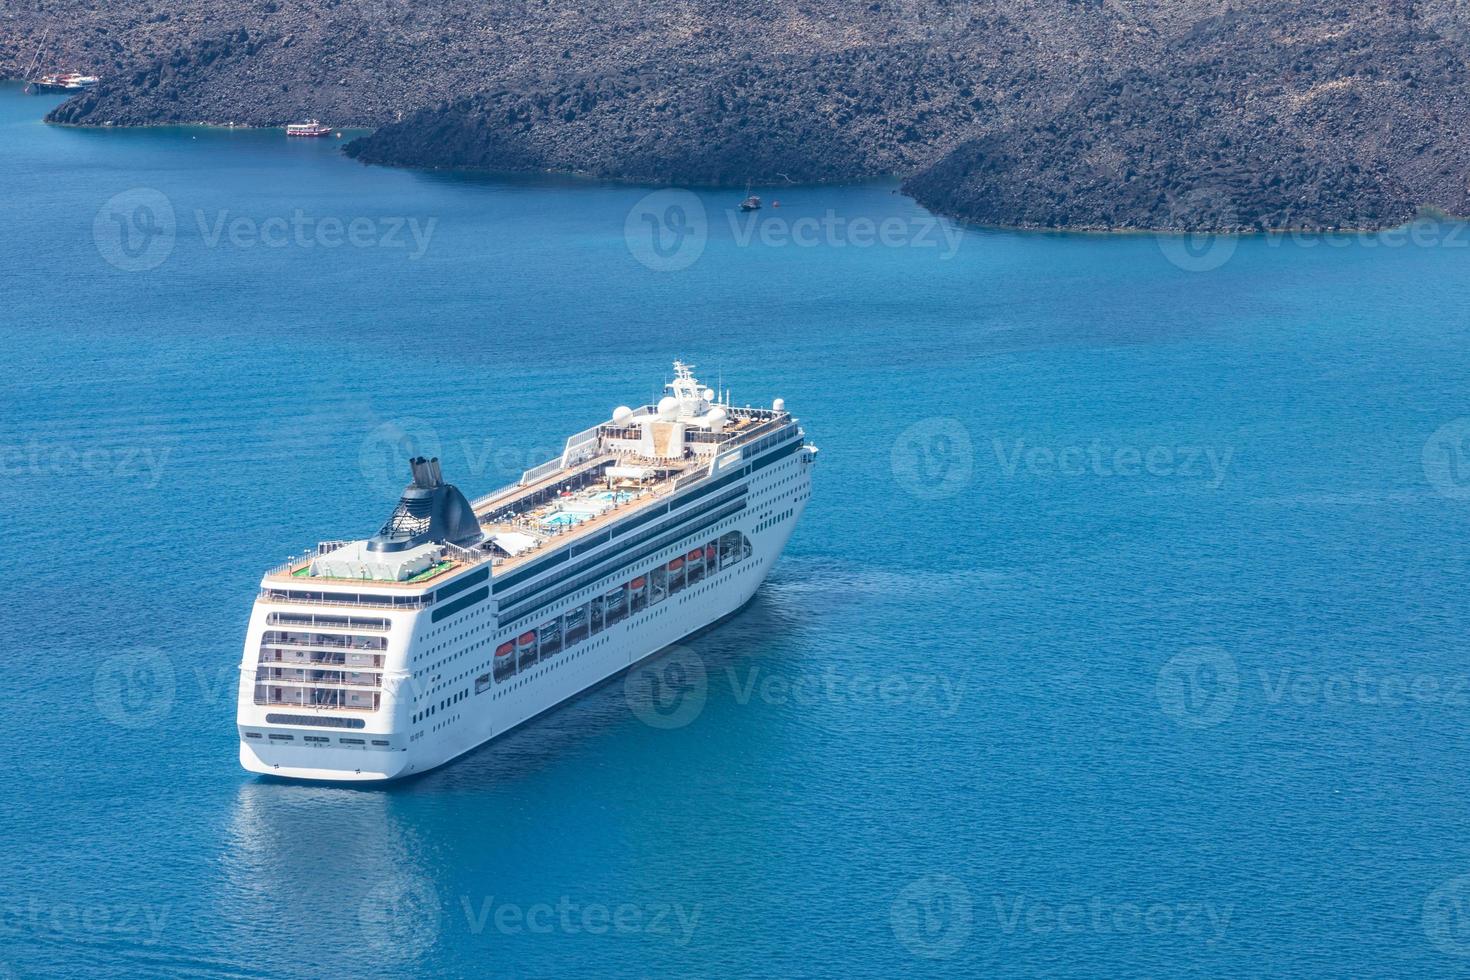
(527, 638)
(676, 564)
(695, 555)
(637, 583)
(505, 649)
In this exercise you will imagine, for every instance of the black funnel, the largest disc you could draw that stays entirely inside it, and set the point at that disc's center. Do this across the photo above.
(430, 511)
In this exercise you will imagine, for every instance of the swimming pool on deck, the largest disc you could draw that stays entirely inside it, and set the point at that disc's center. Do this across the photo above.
(566, 518)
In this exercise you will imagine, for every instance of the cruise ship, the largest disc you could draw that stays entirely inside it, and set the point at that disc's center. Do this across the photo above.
(380, 658)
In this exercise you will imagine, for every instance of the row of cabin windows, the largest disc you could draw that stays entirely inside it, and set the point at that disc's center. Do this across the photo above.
(317, 739)
(633, 596)
(436, 708)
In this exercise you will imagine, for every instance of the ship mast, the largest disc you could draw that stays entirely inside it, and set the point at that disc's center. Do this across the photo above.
(30, 74)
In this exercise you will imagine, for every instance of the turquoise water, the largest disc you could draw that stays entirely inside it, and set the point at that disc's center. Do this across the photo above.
(1124, 632)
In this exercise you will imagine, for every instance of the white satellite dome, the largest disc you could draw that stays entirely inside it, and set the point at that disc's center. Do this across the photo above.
(709, 394)
(779, 405)
(621, 414)
(668, 407)
(716, 419)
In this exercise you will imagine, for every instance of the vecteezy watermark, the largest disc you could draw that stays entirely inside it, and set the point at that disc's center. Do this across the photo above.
(570, 917)
(135, 688)
(937, 691)
(1446, 916)
(1204, 230)
(1422, 232)
(833, 230)
(73, 920)
(138, 688)
(1194, 250)
(933, 458)
(383, 455)
(302, 230)
(133, 464)
(1202, 688)
(1198, 688)
(668, 691)
(1099, 459)
(933, 916)
(1099, 915)
(137, 230)
(667, 230)
(134, 231)
(1447, 459)
(400, 917)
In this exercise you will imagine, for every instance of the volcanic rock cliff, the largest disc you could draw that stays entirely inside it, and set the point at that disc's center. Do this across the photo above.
(1035, 113)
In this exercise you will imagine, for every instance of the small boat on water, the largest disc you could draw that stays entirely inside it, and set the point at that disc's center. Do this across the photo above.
(61, 81)
(751, 202)
(67, 81)
(309, 128)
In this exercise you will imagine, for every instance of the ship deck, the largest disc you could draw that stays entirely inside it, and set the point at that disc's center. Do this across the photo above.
(521, 509)
(528, 521)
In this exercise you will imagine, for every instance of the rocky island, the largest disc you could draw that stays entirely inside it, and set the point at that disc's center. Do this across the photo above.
(1064, 114)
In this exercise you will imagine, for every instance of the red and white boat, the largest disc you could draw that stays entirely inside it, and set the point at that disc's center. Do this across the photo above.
(309, 128)
(70, 81)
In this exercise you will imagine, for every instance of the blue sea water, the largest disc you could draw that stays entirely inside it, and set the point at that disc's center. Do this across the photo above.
(1124, 633)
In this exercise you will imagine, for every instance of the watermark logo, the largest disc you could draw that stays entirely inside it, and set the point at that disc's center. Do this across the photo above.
(302, 230)
(570, 917)
(1100, 459)
(1447, 460)
(54, 919)
(1198, 251)
(1446, 917)
(932, 917)
(670, 691)
(134, 464)
(933, 458)
(936, 692)
(401, 918)
(135, 230)
(1103, 916)
(1198, 688)
(666, 231)
(134, 689)
(833, 230)
(1422, 232)
(383, 457)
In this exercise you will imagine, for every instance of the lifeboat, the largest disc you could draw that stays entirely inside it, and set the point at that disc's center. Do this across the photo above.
(676, 564)
(637, 583)
(695, 555)
(527, 638)
(709, 552)
(505, 649)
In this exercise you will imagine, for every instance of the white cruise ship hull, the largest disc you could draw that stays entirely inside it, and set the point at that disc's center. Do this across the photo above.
(412, 693)
(468, 725)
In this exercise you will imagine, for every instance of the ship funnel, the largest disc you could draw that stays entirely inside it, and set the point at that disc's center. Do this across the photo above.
(429, 512)
(426, 472)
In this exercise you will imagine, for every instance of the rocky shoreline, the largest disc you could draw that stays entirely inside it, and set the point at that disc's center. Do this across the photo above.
(1125, 115)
